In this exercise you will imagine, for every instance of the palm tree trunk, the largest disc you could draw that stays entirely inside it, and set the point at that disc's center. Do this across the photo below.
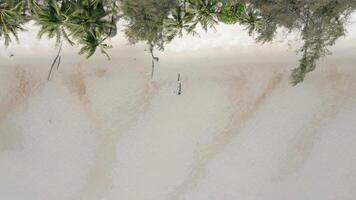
(152, 55)
(57, 60)
(153, 69)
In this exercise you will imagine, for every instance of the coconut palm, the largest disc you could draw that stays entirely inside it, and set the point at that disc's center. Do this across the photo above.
(205, 12)
(232, 12)
(11, 20)
(53, 19)
(30, 7)
(91, 41)
(90, 15)
(91, 25)
(179, 22)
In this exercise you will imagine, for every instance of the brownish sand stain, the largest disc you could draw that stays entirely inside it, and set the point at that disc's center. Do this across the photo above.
(100, 72)
(99, 175)
(244, 110)
(25, 85)
(78, 85)
(99, 178)
(335, 89)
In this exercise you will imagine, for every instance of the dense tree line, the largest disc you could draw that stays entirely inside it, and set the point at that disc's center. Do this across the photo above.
(89, 23)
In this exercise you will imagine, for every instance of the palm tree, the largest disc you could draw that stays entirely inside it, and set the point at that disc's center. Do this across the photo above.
(89, 15)
(91, 41)
(91, 25)
(53, 19)
(180, 21)
(205, 12)
(11, 20)
(30, 7)
(232, 12)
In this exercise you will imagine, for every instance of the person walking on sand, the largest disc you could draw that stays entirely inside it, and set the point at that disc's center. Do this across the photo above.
(179, 89)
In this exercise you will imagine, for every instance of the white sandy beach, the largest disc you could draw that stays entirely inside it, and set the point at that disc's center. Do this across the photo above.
(102, 130)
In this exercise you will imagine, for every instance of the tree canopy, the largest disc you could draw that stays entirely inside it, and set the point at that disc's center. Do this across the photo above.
(89, 23)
